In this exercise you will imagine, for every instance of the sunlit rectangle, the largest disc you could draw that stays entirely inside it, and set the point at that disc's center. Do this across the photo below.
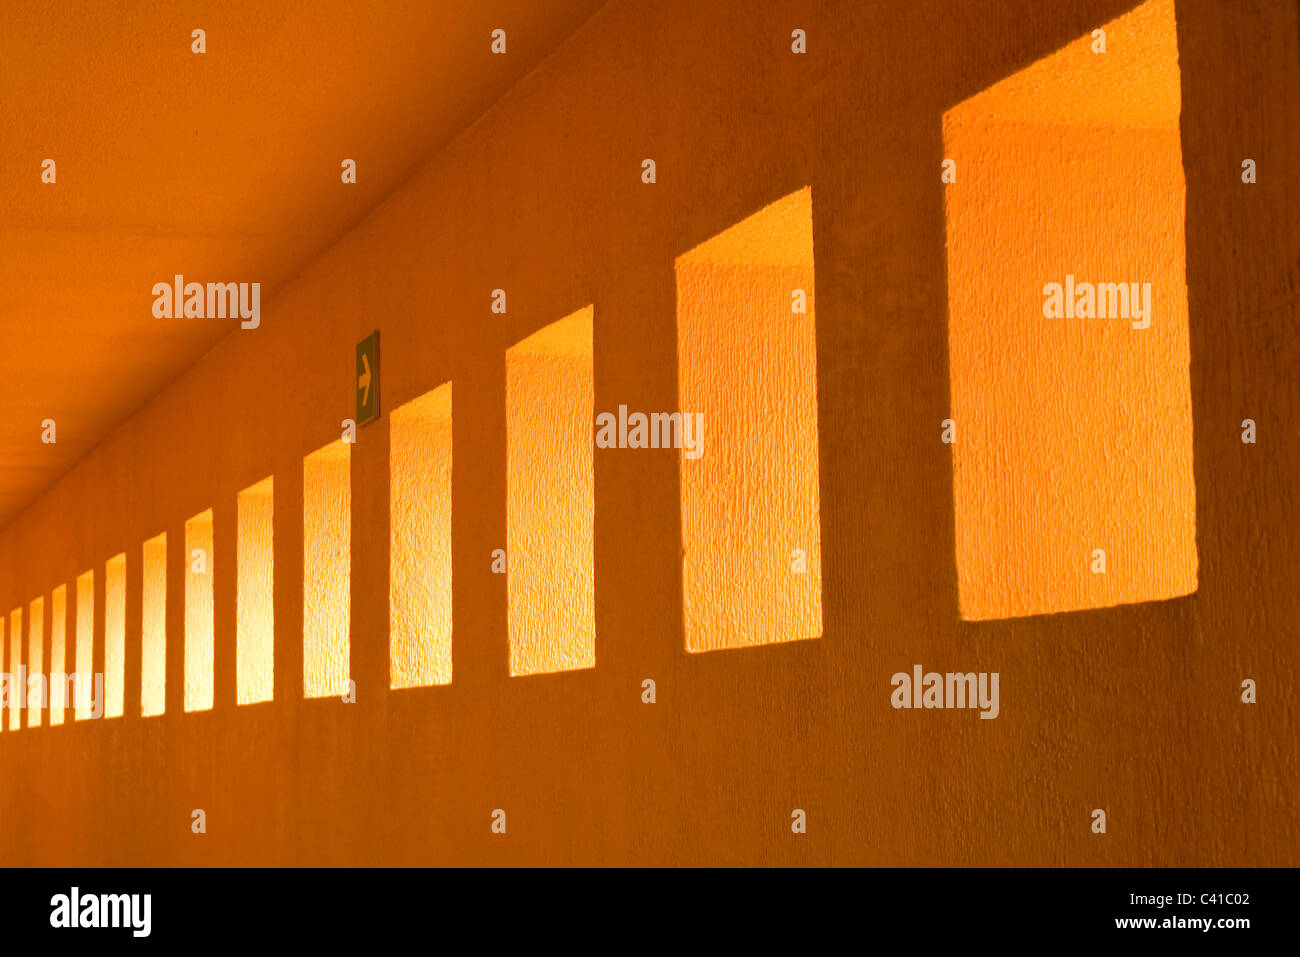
(1072, 464)
(114, 636)
(550, 498)
(36, 661)
(255, 608)
(84, 689)
(198, 612)
(750, 494)
(419, 580)
(153, 639)
(17, 687)
(58, 653)
(326, 569)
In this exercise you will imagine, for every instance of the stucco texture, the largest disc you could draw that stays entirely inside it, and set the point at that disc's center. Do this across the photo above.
(1133, 707)
(750, 492)
(1073, 433)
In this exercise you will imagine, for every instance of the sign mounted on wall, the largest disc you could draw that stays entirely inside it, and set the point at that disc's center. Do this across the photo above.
(368, 378)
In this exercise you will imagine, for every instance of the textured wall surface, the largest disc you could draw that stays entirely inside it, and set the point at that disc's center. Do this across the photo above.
(215, 166)
(326, 569)
(59, 661)
(85, 643)
(153, 628)
(550, 502)
(255, 598)
(199, 562)
(15, 662)
(420, 571)
(36, 651)
(115, 635)
(750, 499)
(1074, 432)
(747, 370)
(1133, 708)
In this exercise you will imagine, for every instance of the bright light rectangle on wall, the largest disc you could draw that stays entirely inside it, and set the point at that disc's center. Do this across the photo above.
(750, 494)
(255, 582)
(15, 663)
(419, 575)
(114, 635)
(326, 570)
(1068, 340)
(199, 612)
(550, 498)
(153, 638)
(35, 659)
(85, 687)
(59, 697)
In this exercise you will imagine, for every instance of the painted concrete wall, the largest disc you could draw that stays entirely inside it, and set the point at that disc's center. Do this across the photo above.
(1074, 424)
(1134, 709)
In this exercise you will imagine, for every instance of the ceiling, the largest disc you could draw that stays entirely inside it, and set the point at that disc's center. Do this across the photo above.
(222, 166)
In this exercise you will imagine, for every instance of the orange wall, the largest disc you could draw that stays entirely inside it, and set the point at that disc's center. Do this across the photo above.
(1134, 709)
(1075, 429)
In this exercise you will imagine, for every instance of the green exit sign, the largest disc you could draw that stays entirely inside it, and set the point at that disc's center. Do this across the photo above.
(368, 378)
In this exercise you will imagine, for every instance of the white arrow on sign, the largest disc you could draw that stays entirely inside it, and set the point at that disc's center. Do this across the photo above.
(363, 381)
